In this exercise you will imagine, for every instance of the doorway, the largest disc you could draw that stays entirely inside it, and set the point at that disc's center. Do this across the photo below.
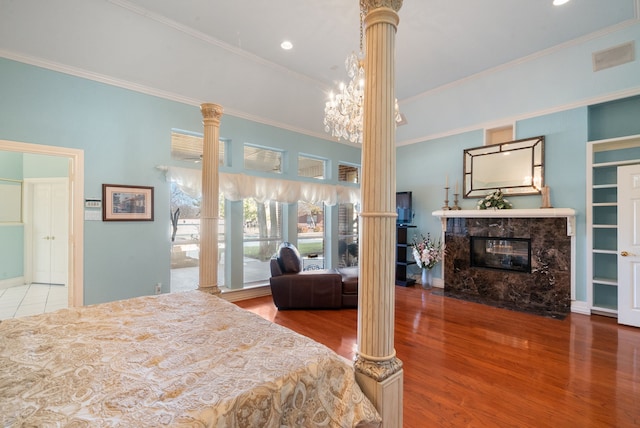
(73, 257)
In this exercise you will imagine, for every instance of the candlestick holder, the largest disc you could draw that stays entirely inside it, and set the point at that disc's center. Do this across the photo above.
(446, 199)
(455, 202)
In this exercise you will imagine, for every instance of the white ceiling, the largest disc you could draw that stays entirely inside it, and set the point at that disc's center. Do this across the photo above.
(228, 52)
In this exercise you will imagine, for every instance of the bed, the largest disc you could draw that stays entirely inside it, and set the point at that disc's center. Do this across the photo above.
(179, 360)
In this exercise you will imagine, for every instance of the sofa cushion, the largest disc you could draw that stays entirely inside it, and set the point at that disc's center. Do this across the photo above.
(289, 258)
(349, 280)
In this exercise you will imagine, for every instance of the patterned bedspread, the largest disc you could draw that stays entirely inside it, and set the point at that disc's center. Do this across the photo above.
(178, 360)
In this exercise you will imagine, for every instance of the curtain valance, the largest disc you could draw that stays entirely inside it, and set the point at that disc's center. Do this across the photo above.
(236, 187)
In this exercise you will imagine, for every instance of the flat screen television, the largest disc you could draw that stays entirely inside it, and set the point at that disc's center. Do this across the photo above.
(403, 208)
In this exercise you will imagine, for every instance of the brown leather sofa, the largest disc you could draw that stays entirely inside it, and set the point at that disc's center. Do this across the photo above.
(293, 288)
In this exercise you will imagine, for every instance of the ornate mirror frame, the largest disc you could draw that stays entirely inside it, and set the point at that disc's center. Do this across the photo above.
(514, 167)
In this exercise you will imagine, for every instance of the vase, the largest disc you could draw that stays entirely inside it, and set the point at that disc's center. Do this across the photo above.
(426, 278)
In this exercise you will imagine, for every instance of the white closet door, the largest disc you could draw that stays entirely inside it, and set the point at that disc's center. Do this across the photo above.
(629, 245)
(50, 232)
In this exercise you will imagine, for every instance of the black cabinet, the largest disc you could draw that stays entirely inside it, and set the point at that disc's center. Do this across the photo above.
(404, 256)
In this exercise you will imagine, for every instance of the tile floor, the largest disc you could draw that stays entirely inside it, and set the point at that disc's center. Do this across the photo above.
(23, 300)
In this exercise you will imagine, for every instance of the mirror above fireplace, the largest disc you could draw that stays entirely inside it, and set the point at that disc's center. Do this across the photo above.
(515, 167)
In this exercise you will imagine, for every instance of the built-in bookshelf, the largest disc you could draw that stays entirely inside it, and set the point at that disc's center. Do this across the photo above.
(603, 159)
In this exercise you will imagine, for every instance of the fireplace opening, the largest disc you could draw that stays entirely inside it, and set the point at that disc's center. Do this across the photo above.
(511, 254)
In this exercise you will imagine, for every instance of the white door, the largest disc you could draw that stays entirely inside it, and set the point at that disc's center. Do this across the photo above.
(50, 232)
(629, 245)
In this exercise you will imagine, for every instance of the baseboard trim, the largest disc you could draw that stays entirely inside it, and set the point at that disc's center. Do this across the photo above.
(245, 293)
(580, 307)
(11, 282)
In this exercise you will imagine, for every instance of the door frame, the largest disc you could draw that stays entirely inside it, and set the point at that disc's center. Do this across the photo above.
(75, 258)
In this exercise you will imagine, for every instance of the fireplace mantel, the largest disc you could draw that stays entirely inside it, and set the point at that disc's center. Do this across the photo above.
(531, 213)
(569, 213)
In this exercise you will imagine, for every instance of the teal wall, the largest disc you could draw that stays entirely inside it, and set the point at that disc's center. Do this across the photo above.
(11, 165)
(43, 166)
(124, 136)
(614, 119)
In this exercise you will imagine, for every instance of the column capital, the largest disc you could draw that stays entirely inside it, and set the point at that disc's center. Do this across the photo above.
(377, 370)
(367, 5)
(211, 111)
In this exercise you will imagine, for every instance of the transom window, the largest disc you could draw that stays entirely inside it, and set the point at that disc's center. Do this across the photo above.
(187, 146)
(311, 167)
(348, 173)
(258, 158)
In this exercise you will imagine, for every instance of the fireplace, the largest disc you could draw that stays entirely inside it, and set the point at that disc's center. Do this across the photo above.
(514, 259)
(509, 254)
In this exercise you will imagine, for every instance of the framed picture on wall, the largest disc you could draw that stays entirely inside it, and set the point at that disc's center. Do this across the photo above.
(127, 203)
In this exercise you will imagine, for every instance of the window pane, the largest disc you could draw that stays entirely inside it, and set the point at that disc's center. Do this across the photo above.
(262, 235)
(311, 229)
(188, 147)
(311, 167)
(260, 159)
(348, 235)
(348, 173)
(185, 240)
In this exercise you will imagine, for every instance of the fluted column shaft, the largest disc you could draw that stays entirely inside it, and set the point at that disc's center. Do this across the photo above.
(209, 209)
(378, 370)
(378, 217)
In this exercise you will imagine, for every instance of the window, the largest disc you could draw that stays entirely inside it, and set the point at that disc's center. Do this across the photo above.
(261, 159)
(187, 146)
(261, 237)
(348, 173)
(348, 228)
(311, 167)
(310, 228)
(185, 238)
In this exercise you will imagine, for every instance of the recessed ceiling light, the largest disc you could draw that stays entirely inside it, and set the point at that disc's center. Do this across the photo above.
(286, 45)
(559, 2)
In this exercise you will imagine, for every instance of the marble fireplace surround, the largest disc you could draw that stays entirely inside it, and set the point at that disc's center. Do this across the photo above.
(548, 290)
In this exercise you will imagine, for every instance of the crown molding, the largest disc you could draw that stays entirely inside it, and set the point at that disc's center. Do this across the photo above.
(514, 119)
(525, 59)
(171, 96)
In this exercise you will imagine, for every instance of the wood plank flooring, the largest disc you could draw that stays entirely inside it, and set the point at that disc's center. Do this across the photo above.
(471, 365)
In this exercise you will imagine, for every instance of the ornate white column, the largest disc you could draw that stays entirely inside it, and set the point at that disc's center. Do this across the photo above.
(209, 210)
(378, 370)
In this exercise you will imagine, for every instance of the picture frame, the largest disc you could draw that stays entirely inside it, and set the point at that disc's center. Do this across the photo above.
(127, 203)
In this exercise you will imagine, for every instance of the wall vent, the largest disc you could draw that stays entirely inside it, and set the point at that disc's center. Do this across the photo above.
(614, 56)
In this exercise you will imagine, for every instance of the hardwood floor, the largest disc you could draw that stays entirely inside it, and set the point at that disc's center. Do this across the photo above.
(471, 365)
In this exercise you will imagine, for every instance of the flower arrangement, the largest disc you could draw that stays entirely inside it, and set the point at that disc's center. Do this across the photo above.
(427, 252)
(495, 200)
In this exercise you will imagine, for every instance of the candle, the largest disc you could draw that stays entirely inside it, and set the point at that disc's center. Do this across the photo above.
(446, 183)
(456, 192)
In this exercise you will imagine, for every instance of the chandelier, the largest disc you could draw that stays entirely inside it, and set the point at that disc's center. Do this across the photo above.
(344, 110)
(343, 113)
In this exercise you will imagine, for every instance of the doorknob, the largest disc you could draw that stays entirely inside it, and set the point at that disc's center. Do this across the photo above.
(625, 254)
(46, 237)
